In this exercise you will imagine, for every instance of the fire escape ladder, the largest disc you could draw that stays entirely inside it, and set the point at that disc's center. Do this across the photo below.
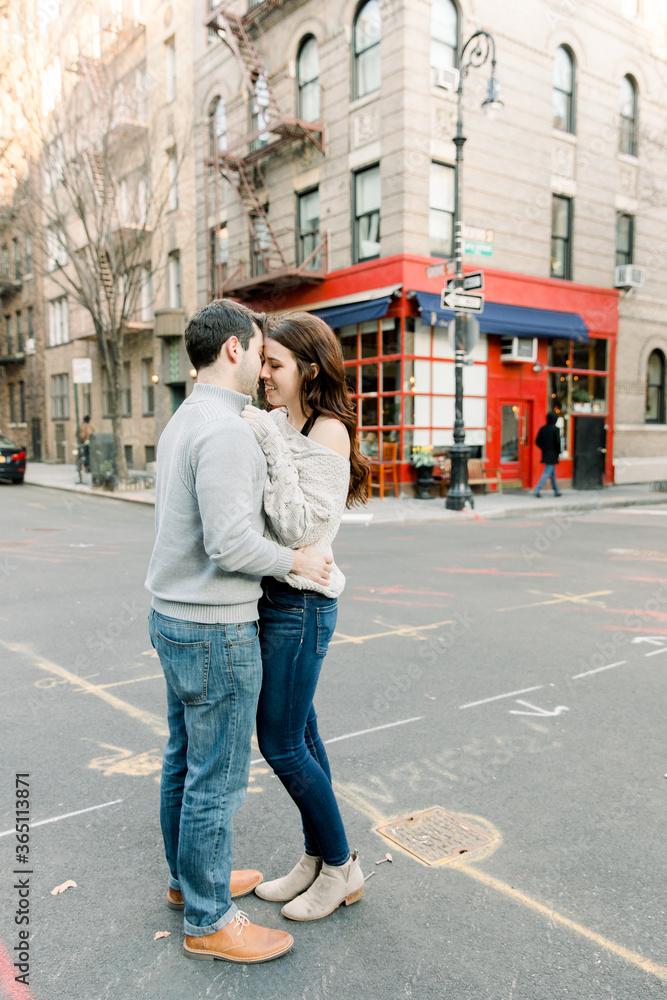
(96, 165)
(263, 236)
(248, 57)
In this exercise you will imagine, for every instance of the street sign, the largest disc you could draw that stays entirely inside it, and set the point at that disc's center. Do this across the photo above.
(471, 282)
(477, 234)
(455, 299)
(477, 248)
(82, 370)
(469, 332)
(438, 270)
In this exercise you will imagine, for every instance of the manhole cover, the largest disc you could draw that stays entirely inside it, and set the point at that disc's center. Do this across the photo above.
(435, 835)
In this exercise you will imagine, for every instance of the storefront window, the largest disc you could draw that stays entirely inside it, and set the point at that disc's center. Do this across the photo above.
(391, 376)
(559, 353)
(347, 336)
(391, 411)
(391, 336)
(369, 378)
(574, 389)
(368, 409)
(369, 339)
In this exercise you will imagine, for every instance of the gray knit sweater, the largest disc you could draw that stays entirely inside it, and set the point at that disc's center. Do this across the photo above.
(305, 493)
(210, 551)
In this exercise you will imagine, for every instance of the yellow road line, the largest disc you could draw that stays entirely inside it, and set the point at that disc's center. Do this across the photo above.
(358, 802)
(154, 722)
(132, 680)
(401, 630)
(559, 599)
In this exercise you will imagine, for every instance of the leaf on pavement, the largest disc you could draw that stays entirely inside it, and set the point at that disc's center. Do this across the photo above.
(69, 884)
(161, 934)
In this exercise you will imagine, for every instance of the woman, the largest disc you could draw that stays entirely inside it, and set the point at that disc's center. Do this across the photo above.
(315, 470)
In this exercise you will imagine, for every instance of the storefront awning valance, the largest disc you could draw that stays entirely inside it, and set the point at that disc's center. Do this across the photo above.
(354, 312)
(510, 321)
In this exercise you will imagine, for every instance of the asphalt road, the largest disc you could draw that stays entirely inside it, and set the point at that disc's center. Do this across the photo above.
(526, 662)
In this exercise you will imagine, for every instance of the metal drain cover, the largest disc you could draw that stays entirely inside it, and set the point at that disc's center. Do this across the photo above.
(435, 835)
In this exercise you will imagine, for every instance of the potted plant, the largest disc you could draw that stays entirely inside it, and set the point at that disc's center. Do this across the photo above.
(423, 460)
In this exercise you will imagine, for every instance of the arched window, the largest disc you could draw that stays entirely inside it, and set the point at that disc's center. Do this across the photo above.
(563, 90)
(367, 35)
(308, 79)
(627, 109)
(217, 127)
(655, 388)
(444, 34)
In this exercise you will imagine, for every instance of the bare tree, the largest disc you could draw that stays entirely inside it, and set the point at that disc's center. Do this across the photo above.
(97, 201)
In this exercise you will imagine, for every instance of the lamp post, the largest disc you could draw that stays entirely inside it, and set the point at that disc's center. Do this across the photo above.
(478, 49)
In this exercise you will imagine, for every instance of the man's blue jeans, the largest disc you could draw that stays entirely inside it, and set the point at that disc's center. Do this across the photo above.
(214, 675)
(549, 473)
(295, 629)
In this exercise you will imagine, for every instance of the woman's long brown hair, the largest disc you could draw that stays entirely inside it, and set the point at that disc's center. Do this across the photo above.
(327, 394)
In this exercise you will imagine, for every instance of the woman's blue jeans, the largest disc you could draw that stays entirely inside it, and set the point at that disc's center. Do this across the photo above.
(295, 629)
(213, 674)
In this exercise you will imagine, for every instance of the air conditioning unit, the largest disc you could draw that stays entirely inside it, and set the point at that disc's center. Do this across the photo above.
(446, 77)
(629, 276)
(514, 349)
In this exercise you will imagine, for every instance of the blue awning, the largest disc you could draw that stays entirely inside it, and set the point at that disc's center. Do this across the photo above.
(509, 321)
(354, 312)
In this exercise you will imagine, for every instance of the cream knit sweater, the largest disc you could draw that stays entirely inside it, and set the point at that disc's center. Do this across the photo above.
(305, 493)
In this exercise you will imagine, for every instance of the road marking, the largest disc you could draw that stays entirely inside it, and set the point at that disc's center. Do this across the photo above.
(542, 712)
(132, 680)
(56, 819)
(390, 600)
(362, 732)
(398, 589)
(646, 510)
(491, 571)
(154, 722)
(587, 673)
(656, 652)
(10, 988)
(497, 697)
(563, 599)
(653, 640)
(352, 797)
(401, 630)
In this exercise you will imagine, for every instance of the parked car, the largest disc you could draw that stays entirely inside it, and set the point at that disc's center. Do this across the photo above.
(12, 460)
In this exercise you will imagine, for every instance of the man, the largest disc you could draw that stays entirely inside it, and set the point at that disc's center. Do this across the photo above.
(85, 430)
(209, 557)
(548, 441)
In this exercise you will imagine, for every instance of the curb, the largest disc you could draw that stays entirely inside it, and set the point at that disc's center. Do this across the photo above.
(87, 492)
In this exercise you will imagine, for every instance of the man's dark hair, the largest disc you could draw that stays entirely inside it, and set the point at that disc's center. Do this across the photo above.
(86, 419)
(213, 324)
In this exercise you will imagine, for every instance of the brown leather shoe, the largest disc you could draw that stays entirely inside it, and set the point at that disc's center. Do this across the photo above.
(241, 883)
(239, 941)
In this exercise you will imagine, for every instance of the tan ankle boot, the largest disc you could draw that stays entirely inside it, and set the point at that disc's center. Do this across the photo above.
(334, 885)
(297, 881)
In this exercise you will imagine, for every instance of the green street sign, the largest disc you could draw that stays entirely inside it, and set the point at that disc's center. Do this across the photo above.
(475, 248)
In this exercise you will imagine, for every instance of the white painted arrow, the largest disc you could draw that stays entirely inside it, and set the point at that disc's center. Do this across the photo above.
(654, 640)
(537, 709)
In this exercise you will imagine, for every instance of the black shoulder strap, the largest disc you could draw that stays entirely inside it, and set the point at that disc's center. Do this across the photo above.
(308, 426)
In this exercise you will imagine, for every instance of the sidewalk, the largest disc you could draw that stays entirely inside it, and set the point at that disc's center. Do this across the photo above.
(406, 509)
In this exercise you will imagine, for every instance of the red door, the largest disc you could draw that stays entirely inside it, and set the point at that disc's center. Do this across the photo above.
(516, 444)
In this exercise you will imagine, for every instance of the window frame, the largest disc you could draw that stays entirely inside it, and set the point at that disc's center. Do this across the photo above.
(629, 252)
(567, 256)
(60, 398)
(440, 41)
(172, 168)
(570, 127)
(58, 309)
(632, 119)
(356, 258)
(432, 252)
(660, 386)
(147, 388)
(302, 235)
(175, 286)
(356, 94)
(301, 87)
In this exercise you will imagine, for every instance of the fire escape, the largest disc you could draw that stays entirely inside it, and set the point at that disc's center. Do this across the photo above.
(277, 259)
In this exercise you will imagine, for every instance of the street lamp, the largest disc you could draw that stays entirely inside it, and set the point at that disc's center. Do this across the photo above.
(478, 49)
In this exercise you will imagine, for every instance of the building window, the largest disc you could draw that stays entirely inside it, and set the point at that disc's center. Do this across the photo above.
(9, 336)
(218, 257)
(444, 34)
(655, 388)
(17, 259)
(260, 242)
(309, 229)
(146, 294)
(217, 127)
(13, 413)
(106, 394)
(308, 79)
(55, 248)
(19, 332)
(625, 231)
(259, 112)
(58, 321)
(31, 325)
(129, 456)
(126, 391)
(86, 400)
(21, 402)
(170, 69)
(173, 180)
(627, 109)
(578, 381)
(441, 210)
(561, 237)
(60, 397)
(563, 90)
(147, 387)
(150, 453)
(174, 268)
(367, 35)
(4, 261)
(367, 213)
(28, 255)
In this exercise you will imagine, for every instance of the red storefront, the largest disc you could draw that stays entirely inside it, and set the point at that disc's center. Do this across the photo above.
(546, 344)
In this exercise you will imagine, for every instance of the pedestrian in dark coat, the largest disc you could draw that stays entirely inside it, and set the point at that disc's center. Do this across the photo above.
(548, 441)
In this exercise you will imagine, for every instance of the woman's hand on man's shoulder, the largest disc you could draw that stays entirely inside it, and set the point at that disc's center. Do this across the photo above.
(332, 434)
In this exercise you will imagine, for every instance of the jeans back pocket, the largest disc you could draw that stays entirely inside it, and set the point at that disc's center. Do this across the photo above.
(326, 624)
(185, 666)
